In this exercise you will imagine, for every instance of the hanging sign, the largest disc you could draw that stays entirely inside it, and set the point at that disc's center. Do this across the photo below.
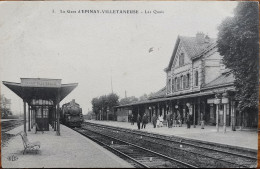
(225, 100)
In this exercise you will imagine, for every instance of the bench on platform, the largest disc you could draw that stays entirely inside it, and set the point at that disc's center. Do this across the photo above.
(31, 146)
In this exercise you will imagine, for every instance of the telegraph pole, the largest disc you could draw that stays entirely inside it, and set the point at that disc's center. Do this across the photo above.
(111, 80)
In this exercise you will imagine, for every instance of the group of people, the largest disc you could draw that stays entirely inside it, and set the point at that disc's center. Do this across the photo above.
(173, 120)
(139, 120)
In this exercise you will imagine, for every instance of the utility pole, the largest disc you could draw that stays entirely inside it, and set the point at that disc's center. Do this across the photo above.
(125, 94)
(111, 80)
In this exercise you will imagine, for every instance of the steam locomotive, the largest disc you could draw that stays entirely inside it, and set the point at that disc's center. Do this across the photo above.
(71, 114)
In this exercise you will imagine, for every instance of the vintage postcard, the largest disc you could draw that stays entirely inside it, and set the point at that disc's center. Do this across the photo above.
(129, 84)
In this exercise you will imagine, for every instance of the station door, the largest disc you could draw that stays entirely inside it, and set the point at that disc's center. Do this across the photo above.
(42, 118)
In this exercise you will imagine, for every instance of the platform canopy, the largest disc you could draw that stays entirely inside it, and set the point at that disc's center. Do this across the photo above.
(42, 92)
(41, 88)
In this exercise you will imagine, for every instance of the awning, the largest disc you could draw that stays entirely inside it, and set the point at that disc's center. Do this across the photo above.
(187, 96)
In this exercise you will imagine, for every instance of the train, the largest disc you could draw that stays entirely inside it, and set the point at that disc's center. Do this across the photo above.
(71, 114)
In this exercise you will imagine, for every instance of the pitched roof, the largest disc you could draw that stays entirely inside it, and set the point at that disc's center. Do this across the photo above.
(160, 93)
(192, 47)
(222, 80)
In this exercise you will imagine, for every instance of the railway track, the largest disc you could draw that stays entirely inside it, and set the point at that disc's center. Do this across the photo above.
(138, 156)
(6, 126)
(204, 154)
(10, 124)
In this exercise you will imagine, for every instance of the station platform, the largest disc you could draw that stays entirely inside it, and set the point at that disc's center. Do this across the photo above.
(69, 150)
(245, 139)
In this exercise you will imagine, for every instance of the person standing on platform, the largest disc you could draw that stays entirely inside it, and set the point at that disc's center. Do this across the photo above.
(171, 119)
(154, 119)
(161, 120)
(174, 120)
(179, 118)
(132, 119)
(202, 122)
(138, 120)
(188, 120)
(168, 118)
(144, 120)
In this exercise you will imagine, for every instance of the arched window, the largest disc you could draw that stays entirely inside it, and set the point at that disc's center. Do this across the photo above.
(181, 59)
(188, 81)
(196, 78)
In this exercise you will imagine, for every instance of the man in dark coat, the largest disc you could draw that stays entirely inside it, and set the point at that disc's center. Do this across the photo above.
(188, 120)
(154, 120)
(138, 120)
(144, 120)
(132, 119)
(168, 118)
(202, 118)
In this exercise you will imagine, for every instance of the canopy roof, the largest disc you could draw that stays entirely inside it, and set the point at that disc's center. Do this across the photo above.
(41, 88)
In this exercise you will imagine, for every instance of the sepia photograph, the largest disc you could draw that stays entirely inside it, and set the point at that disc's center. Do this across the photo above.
(129, 84)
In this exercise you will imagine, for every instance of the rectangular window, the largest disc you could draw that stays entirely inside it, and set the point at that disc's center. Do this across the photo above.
(175, 82)
(184, 82)
(181, 83)
(188, 81)
(45, 112)
(38, 112)
(169, 86)
(172, 85)
(178, 83)
(196, 78)
(181, 59)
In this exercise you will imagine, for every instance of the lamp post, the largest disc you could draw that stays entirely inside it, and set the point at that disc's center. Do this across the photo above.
(107, 112)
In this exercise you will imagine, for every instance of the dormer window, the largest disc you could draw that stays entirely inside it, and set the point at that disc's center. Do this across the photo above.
(181, 59)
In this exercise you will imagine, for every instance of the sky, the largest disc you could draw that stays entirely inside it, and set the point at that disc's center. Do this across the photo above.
(39, 41)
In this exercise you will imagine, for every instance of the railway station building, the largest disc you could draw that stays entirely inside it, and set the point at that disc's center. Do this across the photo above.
(198, 83)
(41, 101)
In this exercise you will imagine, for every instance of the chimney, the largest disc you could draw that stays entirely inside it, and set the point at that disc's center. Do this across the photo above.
(207, 39)
(200, 38)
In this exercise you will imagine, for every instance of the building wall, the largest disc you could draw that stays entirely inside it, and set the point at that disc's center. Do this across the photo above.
(209, 67)
(122, 114)
(213, 66)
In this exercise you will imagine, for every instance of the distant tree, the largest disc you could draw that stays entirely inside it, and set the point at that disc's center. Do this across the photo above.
(5, 107)
(143, 97)
(238, 43)
(102, 104)
(96, 106)
(151, 94)
(128, 100)
(112, 100)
